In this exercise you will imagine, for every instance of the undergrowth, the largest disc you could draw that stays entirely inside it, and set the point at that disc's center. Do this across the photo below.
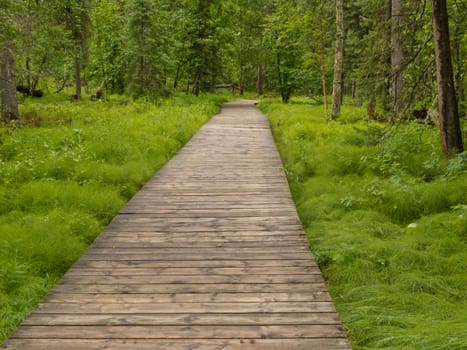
(65, 171)
(386, 217)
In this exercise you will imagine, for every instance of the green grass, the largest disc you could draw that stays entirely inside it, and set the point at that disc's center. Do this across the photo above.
(65, 171)
(386, 218)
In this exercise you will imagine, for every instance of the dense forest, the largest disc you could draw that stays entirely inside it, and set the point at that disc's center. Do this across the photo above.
(385, 54)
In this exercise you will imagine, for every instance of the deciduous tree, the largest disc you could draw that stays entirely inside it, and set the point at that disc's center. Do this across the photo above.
(147, 48)
(109, 48)
(75, 15)
(8, 98)
(285, 37)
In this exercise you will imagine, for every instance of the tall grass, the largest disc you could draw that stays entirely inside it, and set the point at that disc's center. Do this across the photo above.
(65, 170)
(386, 218)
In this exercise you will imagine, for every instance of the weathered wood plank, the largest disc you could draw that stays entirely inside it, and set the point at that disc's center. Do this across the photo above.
(199, 271)
(151, 298)
(174, 308)
(192, 263)
(194, 228)
(194, 256)
(323, 318)
(191, 279)
(182, 332)
(116, 249)
(209, 213)
(281, 220)
(193, 242)
(188, 288)
(238, 234)
(184, 344)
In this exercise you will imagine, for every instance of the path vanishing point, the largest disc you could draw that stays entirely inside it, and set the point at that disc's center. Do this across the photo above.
(209, 255)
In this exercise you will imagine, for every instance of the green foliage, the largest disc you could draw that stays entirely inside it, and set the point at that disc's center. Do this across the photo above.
(386, 220)
(286, 59)
(64, 176)
(109, 49)
(148, 34)
(205, 34)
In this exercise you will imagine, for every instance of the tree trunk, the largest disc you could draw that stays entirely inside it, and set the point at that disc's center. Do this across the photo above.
(259, 79)
(449, 123)
(78, 78)
(323, 59)
(195, 89)
(355, 94)
(460, 81)
(323, 76)
(242, 80)
(396, 58)
(177, 76)
(387, 85)
(8, 97)
(29, 74)
(281, 78)
(338, 60)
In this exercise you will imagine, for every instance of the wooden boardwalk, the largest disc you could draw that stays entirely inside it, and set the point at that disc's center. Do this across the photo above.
(209, 255)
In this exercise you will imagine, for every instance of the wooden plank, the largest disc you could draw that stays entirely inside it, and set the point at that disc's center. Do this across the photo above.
(213, 297)
(147, 220)
(181, 332)
(192, 263)
(238, 234)
(174, 308)
(193, 256)
(196, 271)
(231, 319)
(209, 213)
(190, 279)
(116, 250)
(187, 288)
(130, 242)
(195, 229)
(183, 344)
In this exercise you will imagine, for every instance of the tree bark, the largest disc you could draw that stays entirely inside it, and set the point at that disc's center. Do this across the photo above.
(242, 80)
(177, 75)
(449, 123)
(323, 77)
(396, 58)
(78, 78)
(259, 79)
(387, 86)
(8, 97)
(337, 90)
(323, 59)
(460, 81)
